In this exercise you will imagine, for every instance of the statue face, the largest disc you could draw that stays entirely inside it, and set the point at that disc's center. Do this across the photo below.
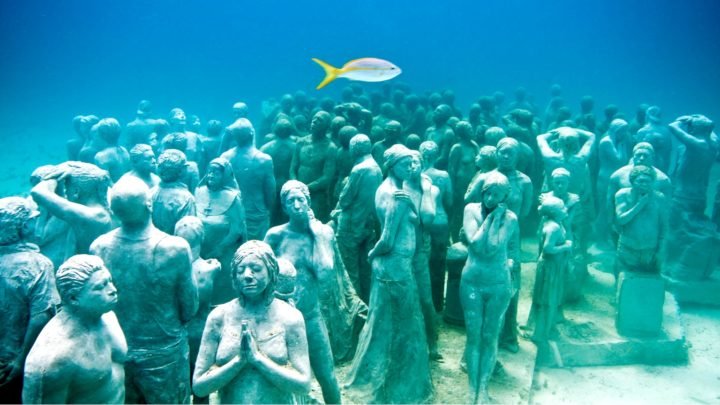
(560, 185)
(177, 116)
(147, 163)
(296, 204)
(507, 157)
(318, 123)
(99, 295)
(493, 196)
(643, 157)
(252, 277)
(643, 184)
(214, 177)
(405, 168)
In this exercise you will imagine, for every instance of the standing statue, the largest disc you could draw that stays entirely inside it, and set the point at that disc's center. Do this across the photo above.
(138, 130)
(254, 348)
(144, 165)
(220, 207)
(658, 135)
(461, 168)
(83, 205)
(612, 154)
(356, 215)
(314, 164)
(153, 274)
(486, 283)
(27, 288)
(111, 157)
(281, 149)
(171, 199)
(50, 231)
(255, 176)
(392, 364)
(82, 344)
(82, 124)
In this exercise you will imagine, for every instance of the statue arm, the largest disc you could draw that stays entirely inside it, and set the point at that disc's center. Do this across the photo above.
(624, 212)
(587, 148)
(475, 226)
(427, 202)
(238, 229)
(543, 141)
(208, 377)
(390, 226)
(527, 199)
(295, 162)
(447, 195)
(48, 383)
(552, 235)
(454, 160)
(473, 188)
(683, 136)
(350, 189)
(178, 258)
(269, 185)
(296, 377)
(44, 195)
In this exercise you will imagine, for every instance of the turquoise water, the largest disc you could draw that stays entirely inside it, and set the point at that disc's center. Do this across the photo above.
(62, 58)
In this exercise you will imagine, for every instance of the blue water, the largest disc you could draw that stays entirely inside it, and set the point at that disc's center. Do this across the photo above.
(62, 58)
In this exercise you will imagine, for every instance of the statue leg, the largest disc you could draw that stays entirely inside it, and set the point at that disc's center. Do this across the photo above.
(422, 280)
(498, 298)
(473, 309)
(509, 338)
(321, 358)
(438, 256)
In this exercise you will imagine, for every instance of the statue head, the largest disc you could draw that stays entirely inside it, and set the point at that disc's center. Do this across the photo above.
(194, 123)
(283, 128)
(700, 126)
(295, 199)
(611, 111)
(495, 190)
(434, 100)
(286, 281)
(108, 129)
(486, 160)
(85, 286)
(618, 128)
(413, 141)
(486, 103)
(493, 135)
(360, 145)
(176, 140)
(327, 104)
(220, 175)
(398, 162)
(643, 154)
(475, 112)
(507, 153)
(130, 201)
(335, 124)
(429, 152)
(192, 230)
(172, 165)
(83, 124)
(254, 272)
(214, 128)
(642, 178)
(387, 110)
(560, 181)
(345, 134)
(568, 140)
(85, 182)
(587, 103)
(498, 98)
(142, 158)
(553, 208)
(441, 114)
(412, 101)
(144, 108)
(393, 130)
(320, 123)
(464, 130)
(177, 117)
(17, 220)
(240, 110)
(286, 102)
(448, 97)
(555, 90)
(242, 132)
(653, 114)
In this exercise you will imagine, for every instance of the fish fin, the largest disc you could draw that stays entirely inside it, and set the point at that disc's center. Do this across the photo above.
(331, 73)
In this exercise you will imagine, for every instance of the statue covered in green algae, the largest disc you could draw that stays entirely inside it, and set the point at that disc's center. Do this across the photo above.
(314, 164)
(78, 357)
(392, 362)
(641, 217)
(254, 348)
(255, 176)
(550, 274)
(83, 205)
(220, 207)
(171, 199)
(153, 274)
(356, 222)
(325, 297)
(27, 288)
(486, 283)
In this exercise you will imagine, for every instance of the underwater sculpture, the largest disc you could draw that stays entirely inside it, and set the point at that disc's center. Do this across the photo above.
(392, 364)
(220, 207)
(461, 168)
(393, 136)
(138, 130)
(612, 154)
(144, 165)
(82, 124)
(82, 205)
(178, 124)
(658, 135)
(356, 221)
(111, 156)
(314, 164)
(255, 176)
(281, 149)
(152, 271)
(78, 357)
(441, 133)
(27, 288)
(486, 285)
(254, 348)
(171, 199)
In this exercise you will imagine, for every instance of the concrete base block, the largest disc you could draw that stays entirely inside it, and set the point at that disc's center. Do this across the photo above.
(705, 292)
(640, 299)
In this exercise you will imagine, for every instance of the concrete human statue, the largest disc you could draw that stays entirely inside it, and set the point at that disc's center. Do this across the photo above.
(171, 199)
(144, 165)
(50, 231)
(111, 157)
(641, 215)
(461, 168)
(326, 298)
(356, 221)
(392, 363)
(344, 159)
(152, 271)
(548, 294)
(138, 130)
(612, 155)
(281, 149)
(211, 143)
(610, 112)
(205, 272)
(586, 118)
(639, 120)
(82, 124)
(420, 189)
(440, 228)
(179, 141)
(658, 135)
(314, 164)
(78, 357)
(27, 288)
(83, 205)
(220, 207)
(254, 348)
(178, 123)
(92, 142)
(441, 133)
(486, 285)
(255, 176)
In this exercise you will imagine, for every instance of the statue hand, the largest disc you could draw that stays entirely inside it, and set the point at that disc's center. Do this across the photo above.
(401, 195)
(214, 263)
(252, 352)
(9, 371)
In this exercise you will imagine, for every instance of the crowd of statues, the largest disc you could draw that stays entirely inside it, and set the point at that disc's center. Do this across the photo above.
(182, 262)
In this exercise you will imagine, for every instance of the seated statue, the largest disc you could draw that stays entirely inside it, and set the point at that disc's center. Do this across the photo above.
(254, 348)
(78, 357)
(27, 288)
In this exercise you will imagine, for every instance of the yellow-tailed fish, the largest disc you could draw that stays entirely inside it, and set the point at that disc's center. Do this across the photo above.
(363, 69)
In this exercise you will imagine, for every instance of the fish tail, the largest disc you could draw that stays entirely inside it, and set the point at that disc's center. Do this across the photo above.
(331, 73)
